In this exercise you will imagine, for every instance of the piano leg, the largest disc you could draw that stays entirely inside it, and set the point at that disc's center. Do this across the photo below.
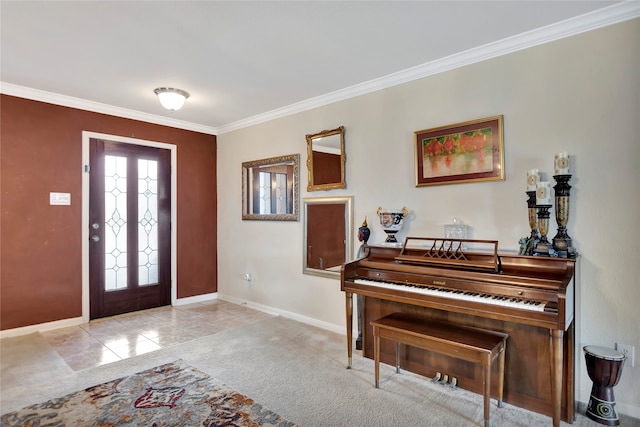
(486, 390)
(349, 306)
(359, 338)
(556, 341)
(376, 356)
(501, 360)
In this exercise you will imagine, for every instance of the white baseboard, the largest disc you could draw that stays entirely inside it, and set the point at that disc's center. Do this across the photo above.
(75, 321)
(41, 327)
(182, 301)
(289, 315)
(583, 396)
(196, 299)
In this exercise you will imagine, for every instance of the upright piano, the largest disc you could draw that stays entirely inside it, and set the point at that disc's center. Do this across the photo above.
(468, 282)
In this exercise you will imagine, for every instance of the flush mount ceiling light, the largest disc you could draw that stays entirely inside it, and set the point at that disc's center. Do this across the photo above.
(171, 98)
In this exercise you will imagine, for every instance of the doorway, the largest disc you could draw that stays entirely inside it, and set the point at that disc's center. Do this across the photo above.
(128, 240)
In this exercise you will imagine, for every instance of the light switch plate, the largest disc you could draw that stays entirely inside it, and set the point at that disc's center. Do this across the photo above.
(59, 199)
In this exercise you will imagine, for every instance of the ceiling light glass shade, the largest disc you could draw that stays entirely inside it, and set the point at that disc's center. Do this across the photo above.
(171, 98)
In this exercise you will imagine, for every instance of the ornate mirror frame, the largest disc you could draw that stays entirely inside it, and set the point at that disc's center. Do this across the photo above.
(314, 209)
(326, 160)
(284, 166)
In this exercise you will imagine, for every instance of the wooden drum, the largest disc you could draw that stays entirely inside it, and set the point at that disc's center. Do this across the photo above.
(604, 367)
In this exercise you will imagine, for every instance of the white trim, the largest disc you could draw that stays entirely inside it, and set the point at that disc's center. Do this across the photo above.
(327, 150)
(614, 14)
(41, 327)
(196, 299)
(97, 107)
(294, 316)
(75, 321)
(86, 136)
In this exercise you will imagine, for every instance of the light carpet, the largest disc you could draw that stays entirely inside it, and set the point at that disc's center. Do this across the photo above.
(296, 370)
(173, 394)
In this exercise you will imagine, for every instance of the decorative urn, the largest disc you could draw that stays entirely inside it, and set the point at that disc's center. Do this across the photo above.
(391, 221)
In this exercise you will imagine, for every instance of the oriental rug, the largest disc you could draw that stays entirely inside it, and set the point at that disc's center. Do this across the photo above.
(174, 394)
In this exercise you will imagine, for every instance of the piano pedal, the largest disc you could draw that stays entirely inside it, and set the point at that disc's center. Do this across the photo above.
(444, 380)
(453, 383)
(436, 379)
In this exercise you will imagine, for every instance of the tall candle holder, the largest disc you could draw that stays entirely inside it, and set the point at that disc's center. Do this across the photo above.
(533, 219)
(562, 242)
(543, 247)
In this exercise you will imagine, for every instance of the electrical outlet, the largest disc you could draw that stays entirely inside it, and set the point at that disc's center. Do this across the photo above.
(629, 352)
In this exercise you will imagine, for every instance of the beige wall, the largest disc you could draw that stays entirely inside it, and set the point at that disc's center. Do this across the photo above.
(578, 94)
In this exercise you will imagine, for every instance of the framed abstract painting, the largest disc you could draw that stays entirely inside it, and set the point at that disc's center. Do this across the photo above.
(471, 151)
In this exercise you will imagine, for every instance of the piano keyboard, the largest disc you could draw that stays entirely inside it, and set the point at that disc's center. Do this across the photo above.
(458, 294)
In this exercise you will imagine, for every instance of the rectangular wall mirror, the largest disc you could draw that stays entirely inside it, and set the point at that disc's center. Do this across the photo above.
(328, 227)
(326, 160)
(270, 188)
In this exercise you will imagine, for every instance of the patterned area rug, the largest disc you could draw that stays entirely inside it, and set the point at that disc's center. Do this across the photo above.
(174, 394)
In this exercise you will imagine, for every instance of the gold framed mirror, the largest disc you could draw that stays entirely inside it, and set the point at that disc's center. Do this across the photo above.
(328, 227)
(326, 160)
(270, 189)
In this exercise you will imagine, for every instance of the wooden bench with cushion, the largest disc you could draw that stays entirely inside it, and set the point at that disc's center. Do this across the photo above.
(461, 342)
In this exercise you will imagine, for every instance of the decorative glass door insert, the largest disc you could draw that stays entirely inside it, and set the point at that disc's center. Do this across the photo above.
(147, 222)
(115, 234)
(130, 214)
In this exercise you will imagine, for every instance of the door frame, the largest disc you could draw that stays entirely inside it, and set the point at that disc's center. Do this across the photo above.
(86, 136)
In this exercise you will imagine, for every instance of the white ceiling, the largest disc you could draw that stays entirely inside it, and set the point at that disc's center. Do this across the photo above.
(248, 61)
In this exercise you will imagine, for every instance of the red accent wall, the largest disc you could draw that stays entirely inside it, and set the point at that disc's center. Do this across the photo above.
(326, 168)
(40, 245)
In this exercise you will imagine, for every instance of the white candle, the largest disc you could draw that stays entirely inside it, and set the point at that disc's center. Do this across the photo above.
(561, 163)
(533, 177)
(543, 193)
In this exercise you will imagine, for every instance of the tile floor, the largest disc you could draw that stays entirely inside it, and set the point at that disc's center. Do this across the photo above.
(119, 337)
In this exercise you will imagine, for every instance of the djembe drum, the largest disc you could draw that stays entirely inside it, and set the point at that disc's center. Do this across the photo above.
(604, 367)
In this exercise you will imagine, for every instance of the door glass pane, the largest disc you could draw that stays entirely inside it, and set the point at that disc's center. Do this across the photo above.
(281, 193)
(147, 222)
(115, 231)
(265, 193)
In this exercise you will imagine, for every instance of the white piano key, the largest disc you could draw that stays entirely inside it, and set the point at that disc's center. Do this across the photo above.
(458, 295)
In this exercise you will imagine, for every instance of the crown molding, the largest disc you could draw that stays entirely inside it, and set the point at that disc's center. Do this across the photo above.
(96, 107)
(610, 15)
(619, 12)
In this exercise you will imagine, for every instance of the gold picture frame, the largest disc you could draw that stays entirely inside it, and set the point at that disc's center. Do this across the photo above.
(470, 151)
(326, 160)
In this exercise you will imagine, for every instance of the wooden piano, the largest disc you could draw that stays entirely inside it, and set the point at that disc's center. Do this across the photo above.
(467, 282)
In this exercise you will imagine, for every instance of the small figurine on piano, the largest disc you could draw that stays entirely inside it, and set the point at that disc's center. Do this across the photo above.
(526, 245)
(363, 236)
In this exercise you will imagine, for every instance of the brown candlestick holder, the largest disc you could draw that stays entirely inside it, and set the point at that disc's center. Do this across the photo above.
(562, 242)
(543, 247)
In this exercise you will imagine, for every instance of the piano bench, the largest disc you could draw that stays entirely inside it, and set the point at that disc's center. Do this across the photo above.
(461, 342)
